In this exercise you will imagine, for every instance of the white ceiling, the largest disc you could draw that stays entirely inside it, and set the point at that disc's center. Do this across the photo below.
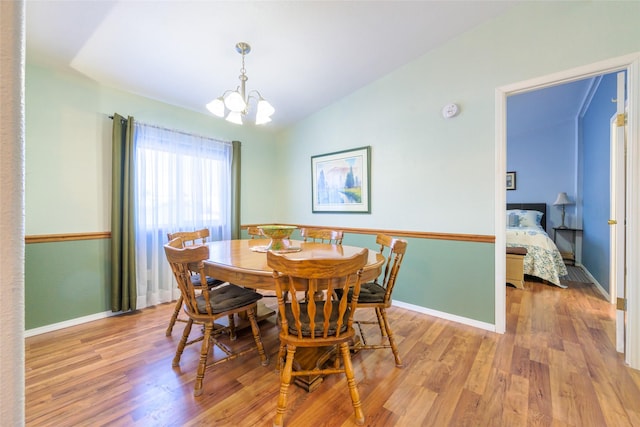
(305, 54)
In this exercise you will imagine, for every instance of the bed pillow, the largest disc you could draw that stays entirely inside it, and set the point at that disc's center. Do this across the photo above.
(529, 218)
(512, 219)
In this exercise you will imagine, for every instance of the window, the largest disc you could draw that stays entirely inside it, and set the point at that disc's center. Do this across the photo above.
(182, 182)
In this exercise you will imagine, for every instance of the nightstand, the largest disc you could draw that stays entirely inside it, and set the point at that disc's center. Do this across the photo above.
(571, 232)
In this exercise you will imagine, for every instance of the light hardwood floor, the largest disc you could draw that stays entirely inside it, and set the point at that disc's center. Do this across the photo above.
(555, 366)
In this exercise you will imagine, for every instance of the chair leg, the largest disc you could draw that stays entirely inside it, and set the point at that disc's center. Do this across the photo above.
(351, 382)
(182, 343)
(174, 316)
(381, 322)
(285, 382)
(232, 328)
(264, 360)
(281, 352)
(204, 352)
(392, 341)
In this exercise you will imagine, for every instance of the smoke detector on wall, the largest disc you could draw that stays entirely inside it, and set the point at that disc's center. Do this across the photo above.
(450, 110)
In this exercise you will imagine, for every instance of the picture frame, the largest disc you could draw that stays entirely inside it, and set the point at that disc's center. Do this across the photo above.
(511, 180)
(341, 181)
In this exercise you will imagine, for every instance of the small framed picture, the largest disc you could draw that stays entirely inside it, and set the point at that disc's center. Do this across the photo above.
(511, 180)
(340, 182)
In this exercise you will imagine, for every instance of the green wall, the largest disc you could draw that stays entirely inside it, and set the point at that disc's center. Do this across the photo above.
(66, 280)
(432, 276)
(68, 150)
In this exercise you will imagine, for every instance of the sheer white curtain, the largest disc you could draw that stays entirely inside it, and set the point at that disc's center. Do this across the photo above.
(182, 183)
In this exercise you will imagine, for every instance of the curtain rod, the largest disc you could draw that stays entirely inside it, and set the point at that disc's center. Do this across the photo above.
(178, 131)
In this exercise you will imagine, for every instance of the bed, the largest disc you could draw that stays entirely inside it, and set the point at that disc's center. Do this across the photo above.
(526, 228)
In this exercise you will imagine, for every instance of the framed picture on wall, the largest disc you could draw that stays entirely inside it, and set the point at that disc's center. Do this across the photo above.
(340, 181)
(511, 180)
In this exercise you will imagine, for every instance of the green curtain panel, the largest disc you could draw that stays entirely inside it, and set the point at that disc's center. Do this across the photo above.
(123, 270)
(235, 190)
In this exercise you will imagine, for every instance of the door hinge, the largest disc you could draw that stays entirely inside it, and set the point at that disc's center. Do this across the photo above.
(612, 222)
(621, 304)
(620, 119)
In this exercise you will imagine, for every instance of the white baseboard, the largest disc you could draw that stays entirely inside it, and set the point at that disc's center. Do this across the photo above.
(416, 308)
(68, 323)
(447, 316)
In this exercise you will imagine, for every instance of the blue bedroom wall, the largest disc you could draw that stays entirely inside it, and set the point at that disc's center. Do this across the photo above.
(544, 161)
(595, 185)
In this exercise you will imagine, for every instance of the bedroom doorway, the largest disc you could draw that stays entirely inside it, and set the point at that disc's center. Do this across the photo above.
(630, 64)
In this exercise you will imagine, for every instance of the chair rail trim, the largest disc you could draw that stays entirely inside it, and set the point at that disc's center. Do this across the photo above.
(66, 237)
(479, 238)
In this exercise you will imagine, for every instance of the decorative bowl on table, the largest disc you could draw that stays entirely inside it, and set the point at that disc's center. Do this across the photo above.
(279, 235)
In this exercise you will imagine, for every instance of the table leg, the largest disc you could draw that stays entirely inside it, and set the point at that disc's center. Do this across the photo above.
(308, 358)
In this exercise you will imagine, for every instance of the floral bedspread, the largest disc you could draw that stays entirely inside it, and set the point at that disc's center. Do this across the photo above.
(543, 259)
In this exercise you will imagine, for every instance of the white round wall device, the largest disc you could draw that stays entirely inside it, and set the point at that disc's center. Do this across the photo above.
(449, 110)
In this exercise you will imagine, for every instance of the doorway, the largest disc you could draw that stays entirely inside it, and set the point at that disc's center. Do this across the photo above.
(631, 65)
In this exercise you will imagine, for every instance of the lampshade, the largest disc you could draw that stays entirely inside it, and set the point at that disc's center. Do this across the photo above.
(234, 117)
(264, 112)
(235, 103)
(562, 199)
(216, 107)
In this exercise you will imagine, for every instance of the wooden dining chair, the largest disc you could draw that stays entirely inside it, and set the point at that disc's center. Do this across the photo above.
(318, 323)
(377, 294)
(204, 305)
(255, 233)
(188, 238)
(322, 235)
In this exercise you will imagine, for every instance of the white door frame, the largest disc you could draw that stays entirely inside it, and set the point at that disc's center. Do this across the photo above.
(630, 63)
(617, 220)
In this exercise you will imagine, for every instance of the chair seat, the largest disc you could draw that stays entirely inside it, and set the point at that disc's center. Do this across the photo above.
(227, 298)
(371, 293)
(211, 282)
(319, 318)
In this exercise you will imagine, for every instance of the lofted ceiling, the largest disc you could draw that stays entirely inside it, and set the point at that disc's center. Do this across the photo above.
(305, 54)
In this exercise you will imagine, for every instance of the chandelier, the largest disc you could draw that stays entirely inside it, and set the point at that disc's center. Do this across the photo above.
(234, 104)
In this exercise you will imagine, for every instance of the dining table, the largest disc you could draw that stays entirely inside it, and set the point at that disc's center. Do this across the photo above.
(243, 262)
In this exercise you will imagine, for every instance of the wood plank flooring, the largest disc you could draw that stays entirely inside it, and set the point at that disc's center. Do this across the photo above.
(555, 366)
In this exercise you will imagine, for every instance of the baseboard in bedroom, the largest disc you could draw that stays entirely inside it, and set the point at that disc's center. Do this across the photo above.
(446, 316)
(67, 323)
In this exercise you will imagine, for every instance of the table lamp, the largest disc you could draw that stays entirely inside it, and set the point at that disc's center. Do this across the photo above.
(562, 200)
